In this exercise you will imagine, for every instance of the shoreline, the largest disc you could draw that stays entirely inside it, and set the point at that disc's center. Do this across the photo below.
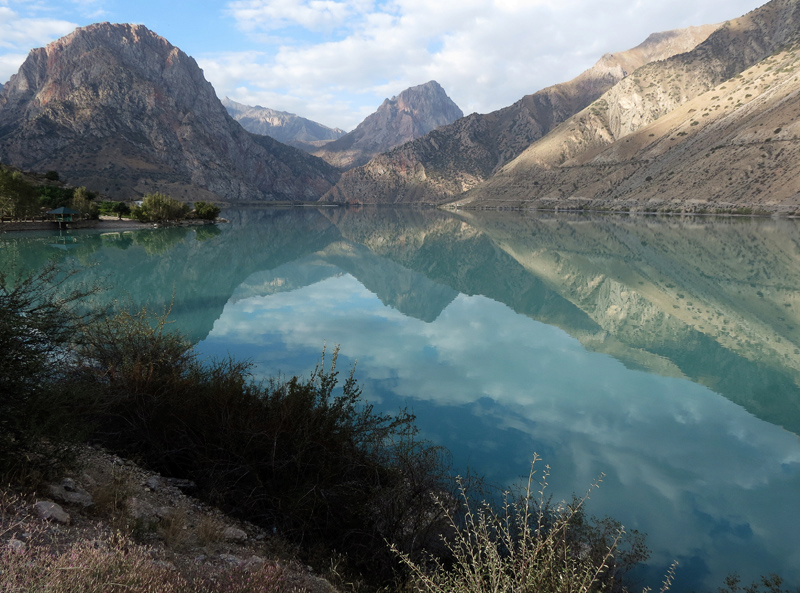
(108, 223)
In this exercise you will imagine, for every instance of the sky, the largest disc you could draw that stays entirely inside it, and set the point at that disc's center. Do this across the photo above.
(335, 61)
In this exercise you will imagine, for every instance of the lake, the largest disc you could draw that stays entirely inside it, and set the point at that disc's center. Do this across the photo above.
(661, 352)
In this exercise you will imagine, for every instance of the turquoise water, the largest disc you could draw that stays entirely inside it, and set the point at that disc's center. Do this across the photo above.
(663, 353)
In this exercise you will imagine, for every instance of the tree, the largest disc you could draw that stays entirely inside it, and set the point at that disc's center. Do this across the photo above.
(157, 207)
(206, 210)
(82, 201)
(121, 209)
(17, 196)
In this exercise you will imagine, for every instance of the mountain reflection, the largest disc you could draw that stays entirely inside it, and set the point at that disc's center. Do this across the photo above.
(716, 301)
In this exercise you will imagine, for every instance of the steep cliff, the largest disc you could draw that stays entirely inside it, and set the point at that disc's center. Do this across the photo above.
(411, 114)
(453, 159)
(120, 110)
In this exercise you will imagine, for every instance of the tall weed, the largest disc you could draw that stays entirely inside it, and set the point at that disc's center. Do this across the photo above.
(526, 545)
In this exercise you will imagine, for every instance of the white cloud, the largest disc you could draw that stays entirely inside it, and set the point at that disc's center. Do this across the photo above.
(314, 15)
(485, 53)
(9, 64)
(19, 34)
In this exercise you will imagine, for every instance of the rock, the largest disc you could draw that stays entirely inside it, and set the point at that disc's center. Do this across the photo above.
(234, 534)
(16, 545)
(50, 511)
(70, 492)
(180, 483)
(154, 482)
(166, 512)
(413, 113)
(253, 563)
(141, 509)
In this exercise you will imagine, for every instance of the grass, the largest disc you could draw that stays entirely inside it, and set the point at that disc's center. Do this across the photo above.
(117, 563)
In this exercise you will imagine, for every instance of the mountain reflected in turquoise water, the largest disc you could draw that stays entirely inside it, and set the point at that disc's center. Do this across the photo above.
(664, 353)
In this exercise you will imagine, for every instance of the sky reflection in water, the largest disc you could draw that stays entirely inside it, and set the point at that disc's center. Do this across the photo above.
(712, 485)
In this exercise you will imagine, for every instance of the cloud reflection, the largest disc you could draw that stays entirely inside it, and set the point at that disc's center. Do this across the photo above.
(689, 467)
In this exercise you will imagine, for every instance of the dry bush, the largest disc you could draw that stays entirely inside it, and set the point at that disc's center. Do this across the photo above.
(208, 531)
(173, 528)
(526, 546)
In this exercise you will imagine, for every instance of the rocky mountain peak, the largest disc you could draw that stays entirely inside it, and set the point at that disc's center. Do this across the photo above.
(283, 126)
(119, 109)
(405, 117)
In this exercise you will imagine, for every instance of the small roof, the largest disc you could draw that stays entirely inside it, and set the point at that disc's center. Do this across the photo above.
(63, 210)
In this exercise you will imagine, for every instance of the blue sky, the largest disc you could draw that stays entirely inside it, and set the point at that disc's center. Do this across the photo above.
(335, 61)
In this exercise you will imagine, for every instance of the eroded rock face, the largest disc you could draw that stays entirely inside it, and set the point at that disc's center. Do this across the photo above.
(120, 110)
(410, 115)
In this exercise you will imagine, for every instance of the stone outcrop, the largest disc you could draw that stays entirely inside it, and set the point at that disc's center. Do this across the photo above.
(284, 127)
(456, 158)
(120, 110)
(410, 115)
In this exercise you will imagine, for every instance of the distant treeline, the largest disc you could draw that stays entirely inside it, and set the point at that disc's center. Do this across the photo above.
(24, 198)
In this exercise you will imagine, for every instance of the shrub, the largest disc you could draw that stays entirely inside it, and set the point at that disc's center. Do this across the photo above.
(82, 201)
(17, 196)
(160, 207)
(117, 563)
(528, 545)
(206, 211)
(305, 455)
(52, 176)
(52, 197)
(39, 320)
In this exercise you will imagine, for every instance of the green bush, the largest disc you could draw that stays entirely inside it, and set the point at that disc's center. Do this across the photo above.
(83, 202)
(17, 196)
(305, 455)
(206, 210)
(159, 207)
(51, 197)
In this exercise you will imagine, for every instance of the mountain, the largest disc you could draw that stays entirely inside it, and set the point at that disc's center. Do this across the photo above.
(411, 114)
(455, 158)
(712, 129)
(120, 110)
(285, 127)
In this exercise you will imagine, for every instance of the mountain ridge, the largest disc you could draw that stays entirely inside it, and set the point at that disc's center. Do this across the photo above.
(690, 133)
(283, 126)
(119, 109)
(405, 117)
(453, 159)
